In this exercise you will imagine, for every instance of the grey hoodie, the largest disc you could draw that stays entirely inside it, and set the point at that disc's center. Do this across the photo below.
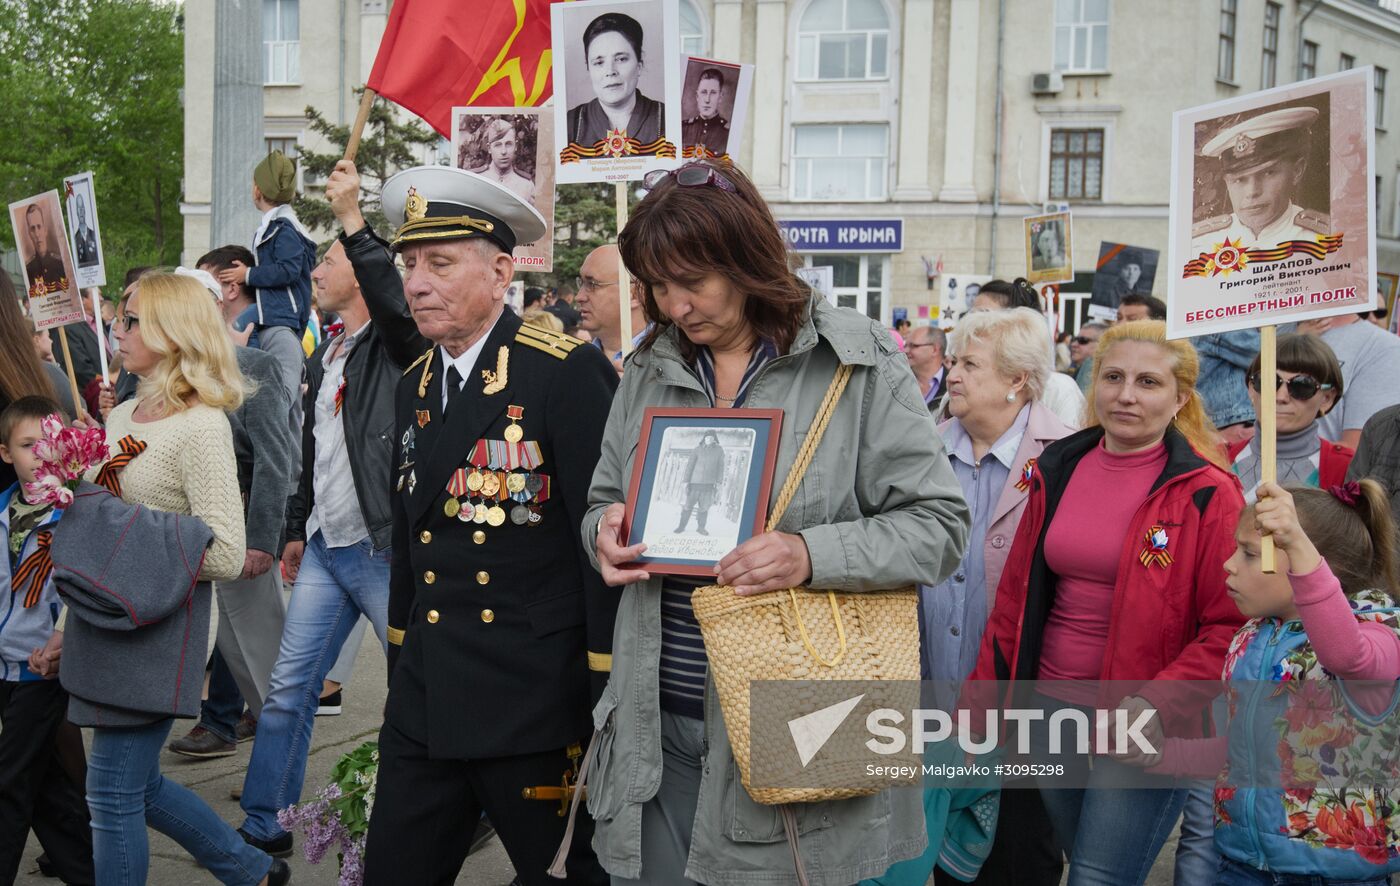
(138, 633)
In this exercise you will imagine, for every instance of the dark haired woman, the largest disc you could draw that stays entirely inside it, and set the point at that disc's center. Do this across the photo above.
(612, 50)
(1061, 394)
(1307, 386)
(878, 508)
(21, 372)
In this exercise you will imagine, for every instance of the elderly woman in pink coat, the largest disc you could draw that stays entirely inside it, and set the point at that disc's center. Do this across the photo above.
(1001, 361)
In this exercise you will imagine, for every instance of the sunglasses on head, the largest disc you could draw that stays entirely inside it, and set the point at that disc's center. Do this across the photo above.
(692, 175)
(1300, 387)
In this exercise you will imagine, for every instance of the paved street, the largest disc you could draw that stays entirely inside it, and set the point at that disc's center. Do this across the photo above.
(334, 736)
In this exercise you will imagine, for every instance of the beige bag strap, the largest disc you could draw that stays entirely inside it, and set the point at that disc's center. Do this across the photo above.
(809, 446)
(794, 479)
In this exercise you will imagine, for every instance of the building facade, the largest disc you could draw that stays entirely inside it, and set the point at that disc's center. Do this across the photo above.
(876, 131)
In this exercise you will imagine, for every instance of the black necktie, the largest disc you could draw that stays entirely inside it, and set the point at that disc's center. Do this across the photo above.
(454, 389)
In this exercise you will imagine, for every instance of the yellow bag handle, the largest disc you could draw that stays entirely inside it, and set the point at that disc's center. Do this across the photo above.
(789, 489)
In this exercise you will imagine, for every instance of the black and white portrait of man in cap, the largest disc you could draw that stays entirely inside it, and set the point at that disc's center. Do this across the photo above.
(1252, 174)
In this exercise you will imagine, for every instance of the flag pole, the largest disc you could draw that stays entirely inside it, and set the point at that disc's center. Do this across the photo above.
(352, 147)
(624, 282)
(1268, 429)
(72, 379)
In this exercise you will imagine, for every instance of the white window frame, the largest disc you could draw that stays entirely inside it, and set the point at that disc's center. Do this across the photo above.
(1268, 79)
(289, 49)
(817, 36)
(1229, 11)
(884, 167)
(704, 48)
(1309, 49)
(862, 291)
(1084, 122)
(1381, 75)
(1080, 30)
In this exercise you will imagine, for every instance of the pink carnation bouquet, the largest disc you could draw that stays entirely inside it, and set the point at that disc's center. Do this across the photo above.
(65, 455)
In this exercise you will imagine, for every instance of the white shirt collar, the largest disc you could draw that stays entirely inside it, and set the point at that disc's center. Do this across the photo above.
(465, 362)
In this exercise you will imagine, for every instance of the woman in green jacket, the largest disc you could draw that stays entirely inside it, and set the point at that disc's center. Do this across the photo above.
(878, 508)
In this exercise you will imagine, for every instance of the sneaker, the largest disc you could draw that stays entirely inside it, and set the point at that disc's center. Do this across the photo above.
(247, 727)
(280, 847)
(280, 874)
(330, 705)
(202, 743)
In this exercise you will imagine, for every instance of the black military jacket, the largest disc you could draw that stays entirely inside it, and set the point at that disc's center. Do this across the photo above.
(500, 632)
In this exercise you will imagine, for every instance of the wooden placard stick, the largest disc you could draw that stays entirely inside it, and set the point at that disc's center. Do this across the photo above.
(624, 282)
(72, 379)
(1268, 429)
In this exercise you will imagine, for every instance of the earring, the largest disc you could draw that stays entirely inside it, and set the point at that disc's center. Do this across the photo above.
(1010, 396)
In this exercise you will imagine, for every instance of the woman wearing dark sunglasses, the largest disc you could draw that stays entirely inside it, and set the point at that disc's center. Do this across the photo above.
(879, 507)
(1308, 384)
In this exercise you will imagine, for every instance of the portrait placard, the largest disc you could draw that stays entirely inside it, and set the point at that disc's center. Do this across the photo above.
(1121, 270)
(513, 147)
(1049, 253)
(1271, 215)
(822, 278)
(617, 94)
(714, 106)
(700, 485)
(84, 235)
(49, 280)
(1385, 295)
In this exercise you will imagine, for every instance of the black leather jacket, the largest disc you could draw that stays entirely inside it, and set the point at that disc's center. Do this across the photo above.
(372, 372)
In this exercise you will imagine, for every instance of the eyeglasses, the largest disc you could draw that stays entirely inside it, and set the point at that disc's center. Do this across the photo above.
(1083, 340)
(1300, 387)
(126, 321)
(909, 346)
(692, 175)
(588, 284)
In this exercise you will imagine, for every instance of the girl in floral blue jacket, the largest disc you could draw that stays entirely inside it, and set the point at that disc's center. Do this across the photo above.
(1309, 775)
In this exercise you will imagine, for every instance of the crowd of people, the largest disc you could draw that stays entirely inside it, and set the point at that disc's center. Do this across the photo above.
(412, 457)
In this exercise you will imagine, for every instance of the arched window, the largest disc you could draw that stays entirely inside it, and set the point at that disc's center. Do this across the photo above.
(692, 29)
(843, 40)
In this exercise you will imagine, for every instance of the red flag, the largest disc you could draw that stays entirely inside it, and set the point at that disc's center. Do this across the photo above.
(439, 53)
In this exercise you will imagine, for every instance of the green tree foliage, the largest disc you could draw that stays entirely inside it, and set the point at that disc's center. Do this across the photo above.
(95, 85)
(584, 219)
(387, 145)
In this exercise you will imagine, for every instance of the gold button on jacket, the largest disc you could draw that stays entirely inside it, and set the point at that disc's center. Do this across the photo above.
(430, 576)
(433, 616)
(425, 537)
(479, 537)
(488, 616)
(483, 577)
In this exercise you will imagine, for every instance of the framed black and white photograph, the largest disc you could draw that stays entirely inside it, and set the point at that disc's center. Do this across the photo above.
(700, 485)
(1121, 270)
(513, 147)
(714, 107)
(1049, 251)
(86, 238)
(616, 88)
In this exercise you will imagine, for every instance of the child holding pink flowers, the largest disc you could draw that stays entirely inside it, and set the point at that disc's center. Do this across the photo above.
(36, 791)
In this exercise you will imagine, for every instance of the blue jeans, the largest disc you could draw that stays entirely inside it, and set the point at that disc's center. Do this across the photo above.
(1196, 858)
(125, 792)
(333, 589)
(1232, 873)
(224, 707)
(1112, 835)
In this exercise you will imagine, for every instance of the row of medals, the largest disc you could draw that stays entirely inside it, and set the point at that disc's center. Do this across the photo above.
(488, 485)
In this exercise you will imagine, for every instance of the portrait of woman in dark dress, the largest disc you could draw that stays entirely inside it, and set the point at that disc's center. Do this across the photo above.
(612, 46)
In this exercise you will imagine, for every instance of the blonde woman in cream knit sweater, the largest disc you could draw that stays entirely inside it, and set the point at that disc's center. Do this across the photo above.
(173, 338)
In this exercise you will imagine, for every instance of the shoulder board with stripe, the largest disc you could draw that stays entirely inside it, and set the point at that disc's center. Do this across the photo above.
(414, 365)
(556, 344)
(1313, 221)
(1215, 223)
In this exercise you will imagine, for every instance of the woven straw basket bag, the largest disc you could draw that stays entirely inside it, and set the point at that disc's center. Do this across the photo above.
(801, 634)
